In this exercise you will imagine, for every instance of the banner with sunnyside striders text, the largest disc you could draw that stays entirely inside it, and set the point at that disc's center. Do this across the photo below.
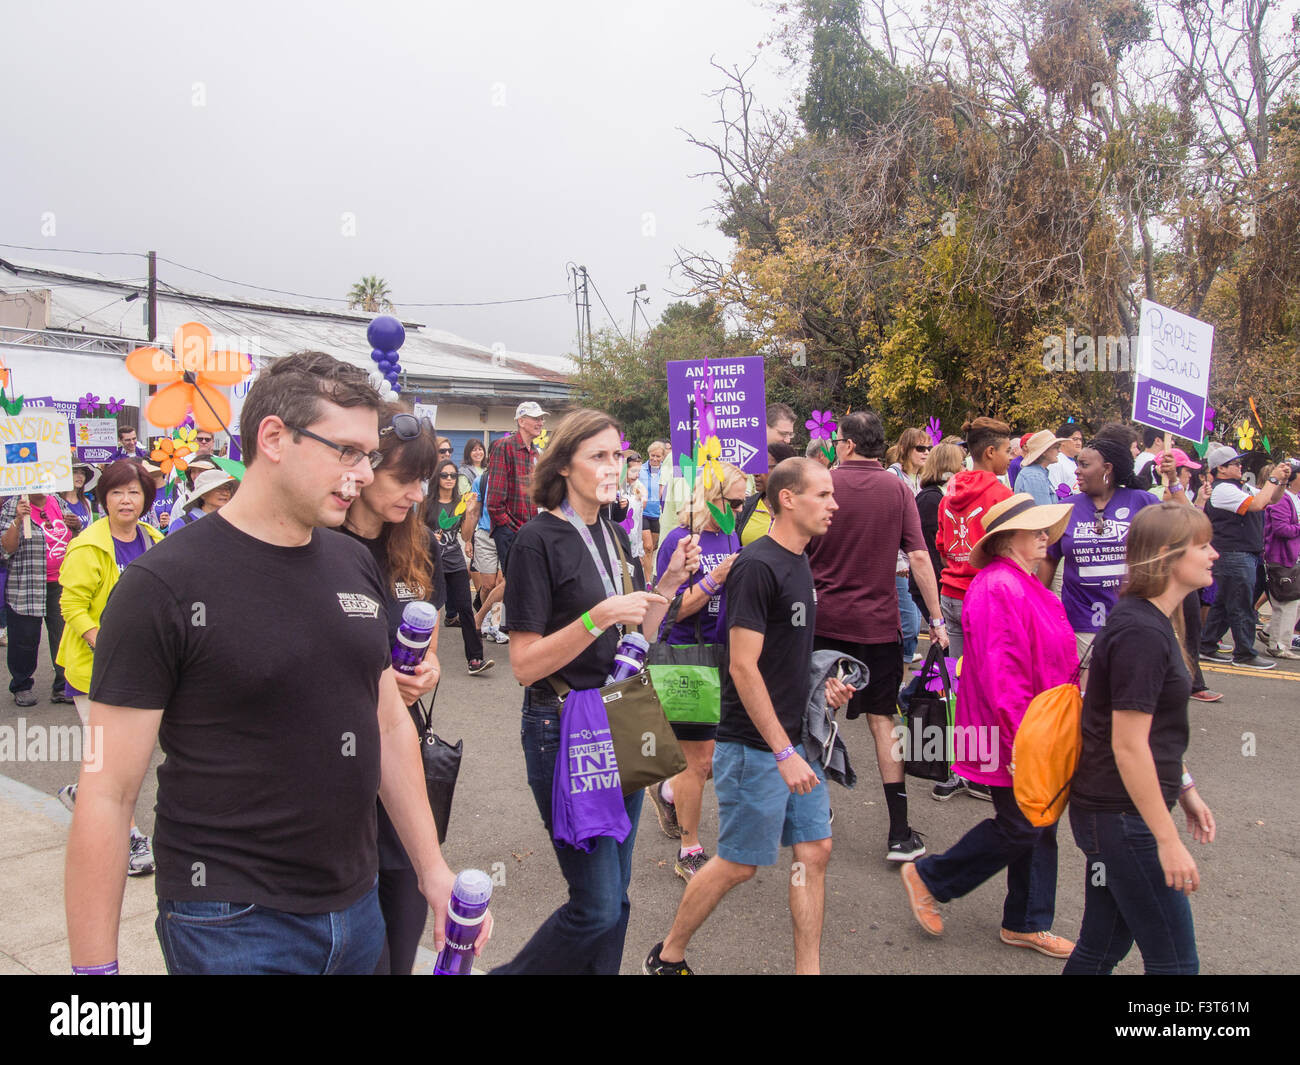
(35, 453)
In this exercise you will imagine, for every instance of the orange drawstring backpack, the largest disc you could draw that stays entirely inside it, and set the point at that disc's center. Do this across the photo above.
(1046, 750)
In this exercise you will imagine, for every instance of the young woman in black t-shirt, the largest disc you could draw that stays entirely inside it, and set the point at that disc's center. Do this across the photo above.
(564, 622)
(1139, 872)
(386, 519)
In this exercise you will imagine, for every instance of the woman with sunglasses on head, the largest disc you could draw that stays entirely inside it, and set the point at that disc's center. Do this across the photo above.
(449, 528)
(385, 518)
(1018, 644)
(1092, 546)
(1131, 769)
(678, 801)
(566, 608)
(910, 453)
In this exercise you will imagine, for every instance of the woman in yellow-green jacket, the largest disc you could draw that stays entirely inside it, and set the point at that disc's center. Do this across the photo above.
(94, 561)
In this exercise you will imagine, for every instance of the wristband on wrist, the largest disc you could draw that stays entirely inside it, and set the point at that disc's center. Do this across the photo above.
(1176, 487)
(590, 625)
(107, 969)
(937, 623)
(781, 756)
(709, 585)
(1187, 784)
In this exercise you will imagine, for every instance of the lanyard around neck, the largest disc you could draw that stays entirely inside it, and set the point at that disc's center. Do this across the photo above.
(571, 515)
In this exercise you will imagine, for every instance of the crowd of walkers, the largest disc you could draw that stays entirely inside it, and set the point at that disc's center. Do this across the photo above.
(1033, 559)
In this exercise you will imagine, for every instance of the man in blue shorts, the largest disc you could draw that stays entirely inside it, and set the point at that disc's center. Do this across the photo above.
(769, 797)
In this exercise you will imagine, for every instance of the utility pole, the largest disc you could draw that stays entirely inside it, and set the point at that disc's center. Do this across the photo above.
(638, 298)
(582, 308)
(153, 296)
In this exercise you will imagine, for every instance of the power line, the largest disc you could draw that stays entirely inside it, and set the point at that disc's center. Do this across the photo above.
(607, 312)
(70, 251)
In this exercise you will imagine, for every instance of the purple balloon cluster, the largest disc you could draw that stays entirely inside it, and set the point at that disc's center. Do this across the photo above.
(386, 335)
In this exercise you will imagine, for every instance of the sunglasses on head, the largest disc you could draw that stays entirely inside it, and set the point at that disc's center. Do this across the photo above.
(406, 426)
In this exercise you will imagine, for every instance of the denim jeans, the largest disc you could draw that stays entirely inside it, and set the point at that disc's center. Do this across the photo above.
(25, 641)
(951, 610)
(210, 938)
(908, 616)
(585, 935)
(1234, 605)
(503, 536)
(1006, 841)
(1125, 899)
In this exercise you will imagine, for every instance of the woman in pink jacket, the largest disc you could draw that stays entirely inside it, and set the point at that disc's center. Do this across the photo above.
(1018, 643)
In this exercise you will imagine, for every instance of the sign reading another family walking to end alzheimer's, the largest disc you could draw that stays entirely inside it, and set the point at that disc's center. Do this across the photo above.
(730, 403)
(1172, 371)
(35, 453)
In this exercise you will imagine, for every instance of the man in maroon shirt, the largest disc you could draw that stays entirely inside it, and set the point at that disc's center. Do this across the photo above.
(857, 602)
(508, 483)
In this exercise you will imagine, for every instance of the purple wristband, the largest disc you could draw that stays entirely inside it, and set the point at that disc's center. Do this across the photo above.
(107, 969)
(781, 756)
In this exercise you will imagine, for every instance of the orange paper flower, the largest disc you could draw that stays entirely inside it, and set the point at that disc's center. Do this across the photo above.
(192, 344)
(171, 455)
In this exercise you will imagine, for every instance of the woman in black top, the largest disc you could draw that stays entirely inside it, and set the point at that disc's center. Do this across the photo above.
(449, 528)
(1139, 872)
(386, 519)
(565, 607)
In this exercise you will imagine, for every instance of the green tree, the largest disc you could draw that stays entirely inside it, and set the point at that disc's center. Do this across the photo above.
(371, 295)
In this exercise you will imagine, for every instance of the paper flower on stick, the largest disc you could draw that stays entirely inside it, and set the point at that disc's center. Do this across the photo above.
(1209, 421)
(1259, 421)
(10, 406)
(1246, 435)
(726, 519)
(934, 431)
(624, 444)
(188, 437)
(710, 452)
(543, 439)
(821, 426)
(116, 406)
(88, 404)
(171, 455)
(193, 376)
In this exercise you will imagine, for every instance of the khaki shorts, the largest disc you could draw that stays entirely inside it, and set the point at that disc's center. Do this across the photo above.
(485, 552)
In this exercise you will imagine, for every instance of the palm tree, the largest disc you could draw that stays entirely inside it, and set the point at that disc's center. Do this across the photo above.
(371, 295)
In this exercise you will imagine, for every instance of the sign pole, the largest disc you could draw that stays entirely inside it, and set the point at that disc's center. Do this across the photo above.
(27, 519)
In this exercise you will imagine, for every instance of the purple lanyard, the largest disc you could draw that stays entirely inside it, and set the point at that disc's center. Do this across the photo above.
(585, 533)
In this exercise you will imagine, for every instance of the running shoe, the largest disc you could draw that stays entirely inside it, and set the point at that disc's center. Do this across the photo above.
(26, 698)
(1221, 657)
(690, 865)
(905, 850)
(1207, 696)
(656, 966)
(1281, 652)
(60, 696)
(954, 785)
(499, 636)
(665, 811)
(478, 665)
(141, 861)
(68, 795)
(1257, 662)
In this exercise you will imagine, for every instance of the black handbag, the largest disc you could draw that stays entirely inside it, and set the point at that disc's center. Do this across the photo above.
(1283, 582)
(928, 719)
(441, 768)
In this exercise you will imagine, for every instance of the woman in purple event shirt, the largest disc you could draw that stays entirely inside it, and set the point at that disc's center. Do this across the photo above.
(1018, 643)
(95, 560)
(678, 802)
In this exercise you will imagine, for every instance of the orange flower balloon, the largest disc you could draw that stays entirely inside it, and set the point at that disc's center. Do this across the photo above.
(192, 344)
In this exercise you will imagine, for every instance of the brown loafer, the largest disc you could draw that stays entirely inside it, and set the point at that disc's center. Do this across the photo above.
(922, 902)
(1048, 943)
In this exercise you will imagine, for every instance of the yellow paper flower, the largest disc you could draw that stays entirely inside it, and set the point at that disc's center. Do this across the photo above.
(460, 507)
(1246, 435)
(710, 453)
(543, 439)
(188, 437)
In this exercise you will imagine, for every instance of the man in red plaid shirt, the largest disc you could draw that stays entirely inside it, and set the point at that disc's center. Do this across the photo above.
(509, 475)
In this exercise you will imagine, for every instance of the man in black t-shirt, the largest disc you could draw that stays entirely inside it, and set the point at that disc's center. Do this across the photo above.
(258, 661)
(768, 795)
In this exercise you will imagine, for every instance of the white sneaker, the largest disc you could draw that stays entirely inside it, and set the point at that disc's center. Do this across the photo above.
(499, 636)
(141, 859)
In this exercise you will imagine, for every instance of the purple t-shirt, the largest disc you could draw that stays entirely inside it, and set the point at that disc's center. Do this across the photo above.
(714, 548)
(129, 552)
(1094, 560)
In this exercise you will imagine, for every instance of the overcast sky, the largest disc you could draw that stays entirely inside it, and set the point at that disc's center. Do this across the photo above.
(477, 148)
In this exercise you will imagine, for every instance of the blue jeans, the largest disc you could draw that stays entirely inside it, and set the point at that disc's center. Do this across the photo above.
(1006, 841)
(209, 938)
(1234, 605)
(585, 935)
(908, 616)
(1125, 899)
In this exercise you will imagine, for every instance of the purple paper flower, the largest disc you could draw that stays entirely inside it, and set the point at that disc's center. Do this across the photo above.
(624, 443)
(1209, 420)
(116, 406)
(935, 431)
(88, 404)
(821, 425)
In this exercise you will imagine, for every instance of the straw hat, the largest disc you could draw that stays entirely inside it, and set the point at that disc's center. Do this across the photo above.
(1038, 443)
(92, 475)
(208, 481)
(1019, 512)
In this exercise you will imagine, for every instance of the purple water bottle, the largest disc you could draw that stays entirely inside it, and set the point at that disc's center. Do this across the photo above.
(629, 659)
(469, 902)
(413, 636)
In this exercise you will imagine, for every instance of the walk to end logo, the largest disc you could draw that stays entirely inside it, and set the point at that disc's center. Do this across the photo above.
(1169, 404)
(356, 605)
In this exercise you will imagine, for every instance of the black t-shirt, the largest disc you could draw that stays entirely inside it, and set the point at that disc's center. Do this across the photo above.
(451, 555)
(266, 661)
(1136, 664)
(392, 855)
(770, 590)
(553, 580)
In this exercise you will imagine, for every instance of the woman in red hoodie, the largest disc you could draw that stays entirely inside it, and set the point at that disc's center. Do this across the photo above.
(961, 524)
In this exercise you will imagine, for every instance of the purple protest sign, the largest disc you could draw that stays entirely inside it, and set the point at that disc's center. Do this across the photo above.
(737, 413)
(1172, 376)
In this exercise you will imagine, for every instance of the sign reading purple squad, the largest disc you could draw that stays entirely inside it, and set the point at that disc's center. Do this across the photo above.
(1172, 371)
(730, 403)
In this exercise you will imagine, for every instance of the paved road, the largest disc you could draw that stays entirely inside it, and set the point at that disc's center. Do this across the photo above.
(1242, 753)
